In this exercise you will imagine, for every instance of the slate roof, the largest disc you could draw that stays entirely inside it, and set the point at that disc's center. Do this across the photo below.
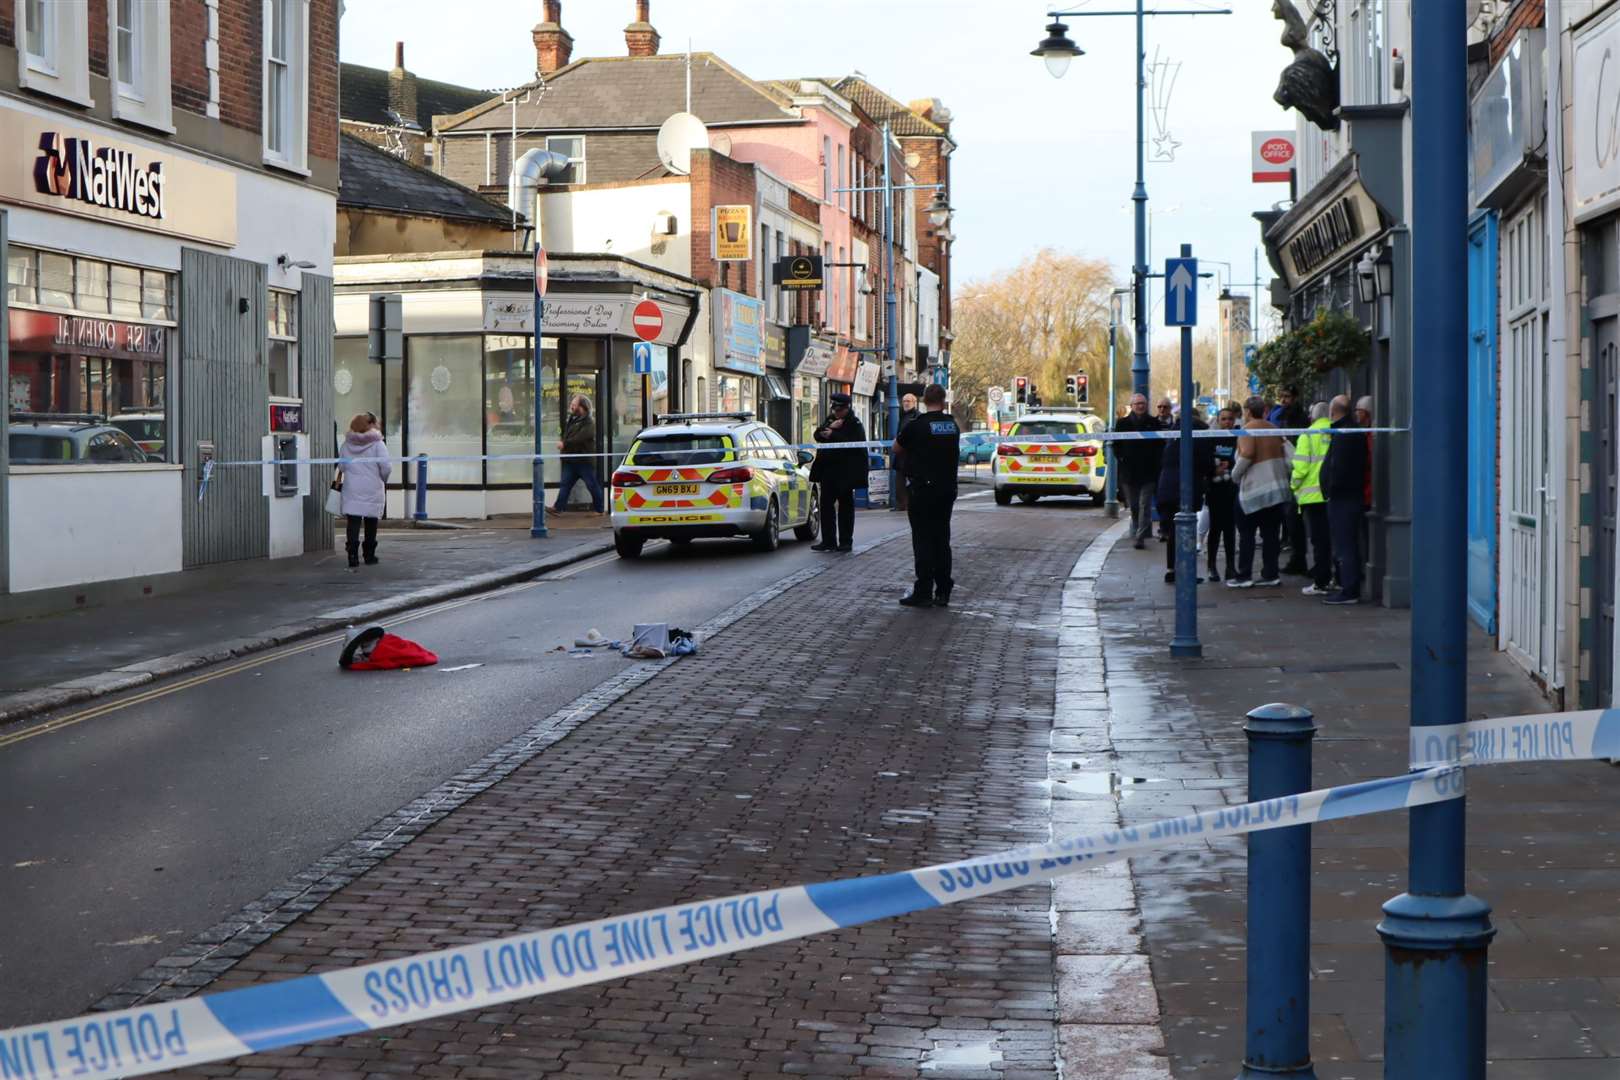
(363, 97)
(371, 179)
(880, 107)
(628, 92)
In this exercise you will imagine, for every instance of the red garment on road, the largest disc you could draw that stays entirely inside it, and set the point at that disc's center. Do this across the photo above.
(392, 651)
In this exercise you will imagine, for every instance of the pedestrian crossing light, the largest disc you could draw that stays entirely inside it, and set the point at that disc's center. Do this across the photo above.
(1021, 389)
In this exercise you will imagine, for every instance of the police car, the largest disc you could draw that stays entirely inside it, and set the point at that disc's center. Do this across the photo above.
(693, 475)
(1047, 453)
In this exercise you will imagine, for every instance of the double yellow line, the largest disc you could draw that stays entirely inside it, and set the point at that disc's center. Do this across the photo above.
(269, 658)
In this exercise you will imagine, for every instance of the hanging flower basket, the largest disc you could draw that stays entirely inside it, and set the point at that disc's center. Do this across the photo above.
(1302, 357)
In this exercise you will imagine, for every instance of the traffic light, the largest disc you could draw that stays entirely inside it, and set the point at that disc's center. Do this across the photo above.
(1021, 389)
(1082, 392)
(1069, 386)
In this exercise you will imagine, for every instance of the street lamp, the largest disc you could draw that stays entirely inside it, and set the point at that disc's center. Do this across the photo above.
(1366, 278)
(939, 212)
(1057, 50)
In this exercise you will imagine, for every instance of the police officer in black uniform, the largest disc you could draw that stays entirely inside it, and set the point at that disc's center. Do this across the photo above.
(928, 449)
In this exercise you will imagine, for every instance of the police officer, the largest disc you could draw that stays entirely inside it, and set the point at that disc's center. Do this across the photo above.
(839, 472)
(928, 449)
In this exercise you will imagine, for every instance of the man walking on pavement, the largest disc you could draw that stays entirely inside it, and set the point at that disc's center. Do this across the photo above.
(839, 472)
(928, 447)
(1222, 497)
(1344, 480)
(1309, 454)
(579, 437)
(1166, 416)
(1138, 464)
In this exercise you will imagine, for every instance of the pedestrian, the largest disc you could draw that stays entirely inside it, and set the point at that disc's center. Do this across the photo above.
(365, 469)
(1364, 419)
(578, 445)
(1166, 416)
(1138, 463)
(1344, 482)
(928, 446)
(908, 413)
(1221, 500)
(1169, 489)
(839, 472)
(1262, 476)
(1309, 454)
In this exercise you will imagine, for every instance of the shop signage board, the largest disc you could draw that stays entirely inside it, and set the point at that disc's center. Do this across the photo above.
(1596, 102)
(590, 316)
(799, 272)
(732, 237)
(866, 378)
(42, 331)
(1346, 219)
(740, 344)
(1271, 156)
(817, 359)
(844, 366)
(88, 172)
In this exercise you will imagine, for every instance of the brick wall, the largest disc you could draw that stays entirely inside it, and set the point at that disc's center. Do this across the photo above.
(323, 79)
(8, 34)
(933, 167)
(717, 180)
(1526, 15)
(188, 68)
(98, 37)
(241, 53)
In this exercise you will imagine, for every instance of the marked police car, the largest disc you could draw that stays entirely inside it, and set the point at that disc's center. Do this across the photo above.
(1046, 453)
(694, 475)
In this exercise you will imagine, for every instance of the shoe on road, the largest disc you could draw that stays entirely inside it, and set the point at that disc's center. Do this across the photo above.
(1239, 583)
(1342, 599)
(916, 598)
(1269, 581)
(1314, 589)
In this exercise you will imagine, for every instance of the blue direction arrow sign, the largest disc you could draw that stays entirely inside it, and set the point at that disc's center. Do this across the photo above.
(641, 354)
(1181, 292)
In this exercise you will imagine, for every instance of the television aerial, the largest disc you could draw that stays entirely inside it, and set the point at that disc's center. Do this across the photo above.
(677, 138)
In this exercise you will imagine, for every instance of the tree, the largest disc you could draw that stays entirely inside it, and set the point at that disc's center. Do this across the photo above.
(1165, 377)
(1046, 318)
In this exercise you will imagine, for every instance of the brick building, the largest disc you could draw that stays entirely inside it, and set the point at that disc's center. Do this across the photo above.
(166, 212)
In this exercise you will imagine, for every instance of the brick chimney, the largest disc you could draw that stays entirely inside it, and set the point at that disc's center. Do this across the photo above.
(553, 46)
(402, 86)
(640, 36)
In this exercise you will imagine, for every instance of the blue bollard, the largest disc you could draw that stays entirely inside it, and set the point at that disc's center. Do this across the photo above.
(1277, 1021)
(421, 488)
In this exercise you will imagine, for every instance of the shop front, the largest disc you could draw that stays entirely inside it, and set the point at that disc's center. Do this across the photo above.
(151, 310)
(463, 387)
(738, 353)
(809, 360)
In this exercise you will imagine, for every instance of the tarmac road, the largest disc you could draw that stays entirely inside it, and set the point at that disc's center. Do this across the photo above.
(134, 824)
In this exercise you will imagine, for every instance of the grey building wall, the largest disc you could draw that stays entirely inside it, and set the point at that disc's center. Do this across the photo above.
(316, 330)
(224, 399)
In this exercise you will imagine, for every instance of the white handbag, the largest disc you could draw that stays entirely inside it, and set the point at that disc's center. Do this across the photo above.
(334, 496)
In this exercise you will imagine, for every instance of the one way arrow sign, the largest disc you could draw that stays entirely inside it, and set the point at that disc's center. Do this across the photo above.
(1181, 292)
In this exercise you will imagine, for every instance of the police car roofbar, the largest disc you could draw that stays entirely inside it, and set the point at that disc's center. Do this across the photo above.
(665, 418)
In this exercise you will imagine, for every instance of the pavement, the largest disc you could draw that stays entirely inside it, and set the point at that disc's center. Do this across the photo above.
(1544, 840)
(234, 609)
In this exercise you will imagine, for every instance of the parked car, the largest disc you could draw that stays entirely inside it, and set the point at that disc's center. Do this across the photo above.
(146, 428)
(1047, 453)
(975, 448)
(59, 439)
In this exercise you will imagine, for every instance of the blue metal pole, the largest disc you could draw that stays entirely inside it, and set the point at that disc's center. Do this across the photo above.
(1139, 271)
(537, 527)
(1436, 935)
(1277, 1021)
(1111, 490)
(888, 319)
(421, 488)
(1186, 643)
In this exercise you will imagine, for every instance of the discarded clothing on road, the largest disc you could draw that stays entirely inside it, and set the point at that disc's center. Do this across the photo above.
(371, 648)
(655, 641)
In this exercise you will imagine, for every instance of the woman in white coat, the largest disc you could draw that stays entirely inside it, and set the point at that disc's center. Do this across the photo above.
(365, 479)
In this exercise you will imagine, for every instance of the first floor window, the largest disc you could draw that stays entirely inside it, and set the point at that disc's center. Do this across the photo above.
(127, 47)
(281, 316)
(38, 39)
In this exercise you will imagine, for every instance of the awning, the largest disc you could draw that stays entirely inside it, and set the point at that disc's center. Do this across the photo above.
(775, 389)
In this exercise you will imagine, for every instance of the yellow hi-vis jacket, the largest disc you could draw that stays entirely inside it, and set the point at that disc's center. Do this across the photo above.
(1308, 457)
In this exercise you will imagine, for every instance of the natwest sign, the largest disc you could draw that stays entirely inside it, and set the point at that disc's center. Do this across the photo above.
(105, 176)
(1271, 156)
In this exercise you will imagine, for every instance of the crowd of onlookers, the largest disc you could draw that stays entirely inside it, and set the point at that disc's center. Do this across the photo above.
(1305, 492)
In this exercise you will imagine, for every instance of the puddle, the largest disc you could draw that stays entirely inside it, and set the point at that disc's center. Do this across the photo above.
(960, 1055)
(1106, 783)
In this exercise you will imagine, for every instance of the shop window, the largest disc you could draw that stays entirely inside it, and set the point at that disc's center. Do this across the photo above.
(124, 292)
(358, 387)
(571, 147)
(509, 404)
(138, 68)
(51, 280)
(55, 280)
(22, 276)
(735, 393)
(286, 83)
(55, 54)
(157, 295)
(281, 313)
(90, 281)
(444, 414)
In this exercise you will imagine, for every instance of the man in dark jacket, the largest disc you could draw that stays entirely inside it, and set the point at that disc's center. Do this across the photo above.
(1344, 476)
(839, 472)
(1169, 490)
(908, 413)
(579, 437)
(1138, 465)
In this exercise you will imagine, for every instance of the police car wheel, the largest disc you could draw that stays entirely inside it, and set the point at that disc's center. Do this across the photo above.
(628, 547)
(1099, 497)
(770, 537)
(1003, 497)
(811, 529)
(1027, 497)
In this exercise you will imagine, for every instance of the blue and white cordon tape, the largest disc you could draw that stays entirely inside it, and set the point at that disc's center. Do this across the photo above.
(256, 1019)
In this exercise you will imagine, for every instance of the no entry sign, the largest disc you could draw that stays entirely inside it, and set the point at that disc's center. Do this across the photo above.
(647, 320)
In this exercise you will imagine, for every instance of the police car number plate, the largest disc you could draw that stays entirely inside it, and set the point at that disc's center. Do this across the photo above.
(675, 489)
(1046, 459)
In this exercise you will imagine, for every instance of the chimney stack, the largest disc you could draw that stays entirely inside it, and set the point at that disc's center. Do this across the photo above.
(640, 36)
(402, 87)
(552, 44)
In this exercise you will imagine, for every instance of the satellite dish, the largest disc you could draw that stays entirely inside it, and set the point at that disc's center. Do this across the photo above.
(677, 138)
(722, 143)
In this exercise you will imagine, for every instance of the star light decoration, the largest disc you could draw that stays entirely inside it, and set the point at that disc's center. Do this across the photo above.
(1162, 75)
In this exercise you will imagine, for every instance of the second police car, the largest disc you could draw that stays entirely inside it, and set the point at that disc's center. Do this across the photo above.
(1047, 453)
(694, 475)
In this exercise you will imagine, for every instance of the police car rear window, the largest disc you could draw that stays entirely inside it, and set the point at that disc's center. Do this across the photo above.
(1048, 429)
(679, 450)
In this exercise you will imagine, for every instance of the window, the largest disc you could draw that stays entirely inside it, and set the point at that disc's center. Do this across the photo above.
(138, 62)
(826, 169)
(281, 318)
(571, 147)
(843, 196)
(52, 280)
(54, 48)
(782, 314)
(126, 47)
(445, 405)
(286, 83)
(90, 281)
(766, 292)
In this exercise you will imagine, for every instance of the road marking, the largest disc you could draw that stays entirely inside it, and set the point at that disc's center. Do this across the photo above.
(580, 568)
(244, 665)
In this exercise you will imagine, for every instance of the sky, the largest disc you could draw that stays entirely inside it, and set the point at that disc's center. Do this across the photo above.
(1040, 161)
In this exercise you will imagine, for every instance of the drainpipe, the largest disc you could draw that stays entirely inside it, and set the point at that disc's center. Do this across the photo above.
(1558, 329)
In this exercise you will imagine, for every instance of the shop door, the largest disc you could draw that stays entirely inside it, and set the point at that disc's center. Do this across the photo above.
(1606, 351)
(1528, 584)
(582, 375)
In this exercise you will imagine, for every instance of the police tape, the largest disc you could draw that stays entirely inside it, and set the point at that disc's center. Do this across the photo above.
(217, 1027)
(1586, 735)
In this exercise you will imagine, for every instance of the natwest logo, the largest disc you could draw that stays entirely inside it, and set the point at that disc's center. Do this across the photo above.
(1277, 151)
(75, 168)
